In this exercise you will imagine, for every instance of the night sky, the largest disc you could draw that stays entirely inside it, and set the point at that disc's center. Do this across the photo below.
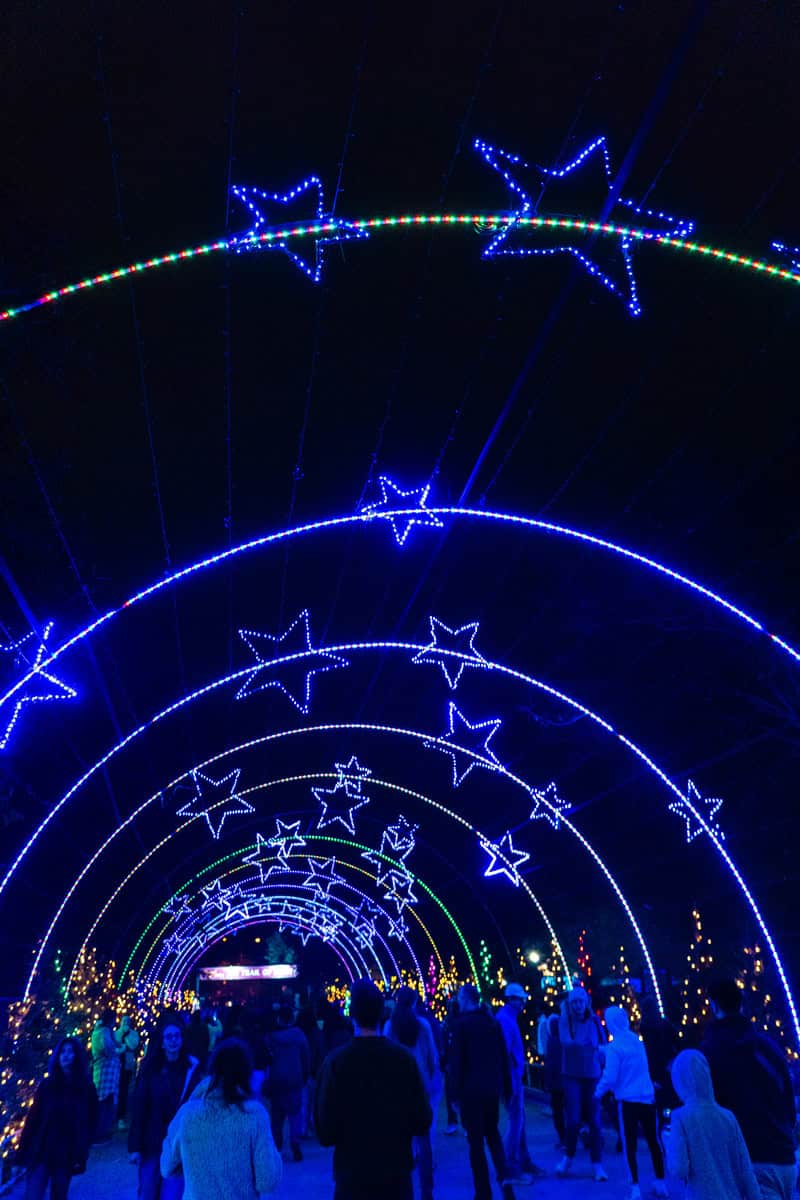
(150, 424)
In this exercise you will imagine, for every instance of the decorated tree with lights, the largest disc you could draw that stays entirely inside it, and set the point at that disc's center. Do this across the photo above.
(758, 1002)
(695, 1007)
(92, 992)
(584, 973)
(622, 992)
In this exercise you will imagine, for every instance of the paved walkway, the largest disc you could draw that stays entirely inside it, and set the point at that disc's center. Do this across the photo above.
(110, 1177)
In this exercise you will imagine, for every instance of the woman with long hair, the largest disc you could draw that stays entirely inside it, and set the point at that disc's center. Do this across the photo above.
(168, 1076)
(221, 1139)
(407, 1029)
(58, 1130)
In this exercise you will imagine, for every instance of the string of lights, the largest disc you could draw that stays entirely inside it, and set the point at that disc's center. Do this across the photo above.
(282, 236)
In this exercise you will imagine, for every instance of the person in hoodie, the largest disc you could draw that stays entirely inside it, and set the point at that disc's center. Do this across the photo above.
(581, 1035)
(168, 1076)
(751, 1078)
(627, 1076)
(521, 1167)
(290, 1067)
(705, 1147)
(220, 1138)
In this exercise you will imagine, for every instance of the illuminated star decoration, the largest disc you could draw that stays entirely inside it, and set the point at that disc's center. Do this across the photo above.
(398, 929)
(295, 641)
(262, 855)
(41, 687)
(506, 859)
(383, 868)
(455, 641)
(470, 737)
(790, 252)
(399, 838)
(393, 497)
(213, 896)
(324, 877)
(355, 771)
(338, 804)
(286, 836)
(257, 201)
(712, 805)
(206, 804)
(177, 907)
(548, 804)
(505, 241)
(400, 892)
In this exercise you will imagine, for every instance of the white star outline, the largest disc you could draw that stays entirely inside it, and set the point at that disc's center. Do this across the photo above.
(492, 724)
(60, 690)
(233, 804)
(688, 809)
(548, 804)
(301, 703)
(506, 859)
(439, 655)
(382, 508)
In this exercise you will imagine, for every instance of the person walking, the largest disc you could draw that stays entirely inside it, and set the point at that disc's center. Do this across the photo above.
(127, 1041)
(581, 1034)
(408, 1029)
(751, 1078)
(370, 1105)
(168, 1076)
(626, 1075)
(290, 1067)
(220, 1138)
(105, 1074)
(450, 1020)
(481, 1076)
(307, 1023)
(60, 1124)
(554, 1080)
(705, 1147)
(520, 1165)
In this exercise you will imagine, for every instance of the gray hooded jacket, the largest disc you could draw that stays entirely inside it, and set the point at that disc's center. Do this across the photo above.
(705, 1147)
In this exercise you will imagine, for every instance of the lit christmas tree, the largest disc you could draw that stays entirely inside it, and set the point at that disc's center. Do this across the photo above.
(622, 992)
(584, 973)
(759, 1004)
(695, 1007)
(91, 993)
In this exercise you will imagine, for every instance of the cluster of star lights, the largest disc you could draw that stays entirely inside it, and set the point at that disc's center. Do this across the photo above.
(509, 231)
(289, 661)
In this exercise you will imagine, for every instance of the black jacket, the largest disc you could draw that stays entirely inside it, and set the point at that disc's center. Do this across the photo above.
(158, 1096)
(478, 1058)
(59, 1127)
(751, 1078)
(370, 1103)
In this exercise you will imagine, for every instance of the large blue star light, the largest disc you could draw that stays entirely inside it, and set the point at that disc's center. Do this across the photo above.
(411, 501)
(586, 247)
(27, 655)
(548, 804)
(215, 799)
(466, 736)
(257, 201)
(400, 892)
(505, 858)
(324, 877)
(683, 809)
(447, 645)
(294, 642)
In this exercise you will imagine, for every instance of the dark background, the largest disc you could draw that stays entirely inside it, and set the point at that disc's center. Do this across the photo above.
(153, 422)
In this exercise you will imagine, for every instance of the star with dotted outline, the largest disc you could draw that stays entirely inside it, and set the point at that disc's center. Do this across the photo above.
(446, 645)
(352, 775)
(511, 166)
(382, 867)
(548, 804)
(263, 854)
(214, 895)
(399, 838)
(394, 497)
(683, 809)
(42, 687)
(177, 907)
(323, 878)
(336, 230)
(338, 804)
(506, 859)
(215, 813)
(470, 736)
(397, 929)
(400, 892)
(295, 643)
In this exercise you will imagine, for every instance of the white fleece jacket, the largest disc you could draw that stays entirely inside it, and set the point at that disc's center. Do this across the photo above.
(626, 1072)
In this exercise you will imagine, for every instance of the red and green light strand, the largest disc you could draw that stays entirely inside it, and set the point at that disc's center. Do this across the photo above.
(480, 221)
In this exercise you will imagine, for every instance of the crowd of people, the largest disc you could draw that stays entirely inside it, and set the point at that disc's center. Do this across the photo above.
(210, 1107)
